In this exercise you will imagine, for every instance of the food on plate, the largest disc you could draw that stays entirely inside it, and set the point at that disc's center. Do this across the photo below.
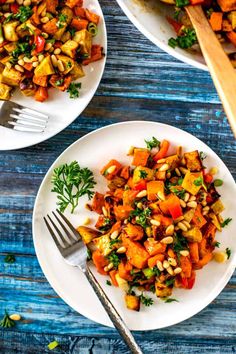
(222, 18)
(157, 222)
(45, 44)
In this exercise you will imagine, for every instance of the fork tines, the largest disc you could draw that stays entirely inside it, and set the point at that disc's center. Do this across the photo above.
(28, 119)
(62, 231)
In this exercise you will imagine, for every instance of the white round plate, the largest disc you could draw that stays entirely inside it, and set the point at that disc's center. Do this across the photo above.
(149, 16)
(93, 151)
(60, 108)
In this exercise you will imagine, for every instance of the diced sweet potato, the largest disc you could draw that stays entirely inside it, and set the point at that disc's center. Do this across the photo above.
(154, 247)
(189, 182)
(152, 261)
(162, 290)
(227, 5)
(193, 161)
(198, 219)
(98, 202)
(124, 270)
(154, 188)
(134, 232)
(136, 254)
(193, 235)
(140, 157)
(216, 20)
(132, 302)
(87, 233)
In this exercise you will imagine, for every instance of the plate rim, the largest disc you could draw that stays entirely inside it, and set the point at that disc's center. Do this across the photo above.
(207, 301)
(158, 42)
(23, 146)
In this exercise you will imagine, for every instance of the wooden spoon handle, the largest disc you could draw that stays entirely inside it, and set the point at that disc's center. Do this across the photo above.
(220, 67)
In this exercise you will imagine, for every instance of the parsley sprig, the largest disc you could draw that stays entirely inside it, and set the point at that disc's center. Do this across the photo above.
(114, 258)
(71, 182)
(24, 13)
(73, 89)
(10, 258)
(152, 143)
(226, 222)
(141, 215)
(146, 301)
(184, 41)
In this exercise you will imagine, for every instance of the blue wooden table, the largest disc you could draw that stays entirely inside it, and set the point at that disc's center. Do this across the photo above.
(140, 82)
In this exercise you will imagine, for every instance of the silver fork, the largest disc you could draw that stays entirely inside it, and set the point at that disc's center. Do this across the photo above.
(73, 250)
(15, 116)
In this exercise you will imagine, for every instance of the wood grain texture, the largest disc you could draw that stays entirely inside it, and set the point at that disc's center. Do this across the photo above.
(140, 82)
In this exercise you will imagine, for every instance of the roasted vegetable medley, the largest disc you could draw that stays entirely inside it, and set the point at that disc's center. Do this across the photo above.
(157, 222)
(45, 44)
(221, 15)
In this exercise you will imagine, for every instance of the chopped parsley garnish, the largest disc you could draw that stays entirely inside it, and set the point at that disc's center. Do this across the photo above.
(181, 3)
(73, 89)
(22, 48)
(202, 155)
(23, 13)
(10, 258)
(146, 301)
(113, 258)
(71, 182)
(113, 242)
(180, 243)
(218, 182)
(226, 222)
(198, 181)
(106, 225)
(176, 14)
(180, 181)
(152, 288)
(169, 299)
(61, 20)
(108, 283)
(141, 215)
(68, 65)
(6, 322)
(152, 143)
(9, 18)
(170, 281)
(186, 40)
(59, 82)
(179, 193)
(143, 174)
(217, 244)
(72, 31)
(53, 345)
(228, 252)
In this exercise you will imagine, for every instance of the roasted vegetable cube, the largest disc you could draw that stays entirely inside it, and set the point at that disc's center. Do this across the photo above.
(140, 157)
(193, 235)
(232, 18)
(172, 161)
(217, 207)
(10, 47)
(68, 14)
(141, 172)
(132, 302)
(67, 62)
(76, 72)
(191, 182)
(122, 283)
(84, 39)
(27, 87)
(103, 244)
(69, 48)
(193, 161)
(227, 5)
(9, 29)
(5, 92)
(162, 290)
(45, 67)
(11, 77)
(87, 233)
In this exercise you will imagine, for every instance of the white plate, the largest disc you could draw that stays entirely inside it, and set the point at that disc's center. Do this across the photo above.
(61, 109)
(93, 151)
(149, 16)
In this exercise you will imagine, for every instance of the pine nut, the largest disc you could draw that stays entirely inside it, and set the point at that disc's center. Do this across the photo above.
(213, 171)
(160, 266)
(44, 19)
(105, 269)
(180, 218)
(121, 250)
(51, 50)
(8, 65)
(206, 208)
(161, 161)
(87, 221)
(220, 257)
(161, 195)
(172, 262)
(183, 162)
(182, 226)
(168, 175)
(142, 194)
(130, 151)
(140, 205)
(57, 51)
(148, 231)
(45, 35)
(177, 171)
(192, 204)
(177, 270)
(170, 230)
(186, 197)
(183, 170)
(182, 203)
(60, 65)
(19, 68)
(114, 235)
(170, 270)
(34, 58)
(15, 317)
(48, 46)
(167, 240)
(164, 167)
(165, 264)
(155, 222)
(192, 198)
(179, 151)
(35, 64)
(43, 13)
(27, 2)
(27, 60)
(111, 169)
(186, 223)
(110, 266)
(126, 221)
(176, 228)
(19, 2)
(184, 253)
(104, 210)
(6, 14)
(204, 203)
(54, 60)
(21, 62)
(40, 57)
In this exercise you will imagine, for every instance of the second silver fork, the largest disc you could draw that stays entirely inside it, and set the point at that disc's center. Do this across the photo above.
(74, 251)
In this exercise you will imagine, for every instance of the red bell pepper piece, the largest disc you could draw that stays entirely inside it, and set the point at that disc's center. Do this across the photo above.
(176, 25)
(175, 207)
(140, 186)
(188, 283)
(163, 150)
(39, 41)
(196, 2)
(14, 8)
(208, 178)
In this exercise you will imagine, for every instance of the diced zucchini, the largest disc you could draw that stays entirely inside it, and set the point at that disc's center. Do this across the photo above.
(69, 48)
(10, 47)
(122, 283)
(193, 235)
(10, 31)
(189, 215)
(188, 182)
(162, 290)
(11, 77)
(84, 39)
(232, 18)
(67, 62)
(217, 207)
(77, 72)
(5, 92)
(45, 67)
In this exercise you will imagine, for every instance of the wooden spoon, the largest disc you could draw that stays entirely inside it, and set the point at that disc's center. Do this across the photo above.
(220, 67)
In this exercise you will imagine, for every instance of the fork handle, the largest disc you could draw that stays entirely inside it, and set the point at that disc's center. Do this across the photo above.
(112, 313)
